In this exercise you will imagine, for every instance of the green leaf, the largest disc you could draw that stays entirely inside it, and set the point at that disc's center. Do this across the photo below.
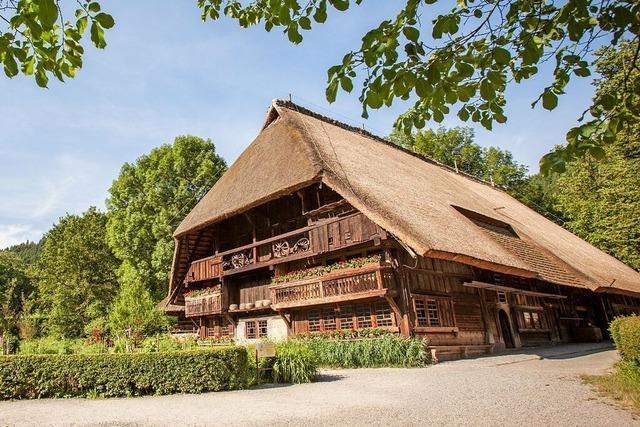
(41, 77)
(423, 90)
(10, 65)
(293, 34)
(321, 15)
(463, 114)
(305, 23)
(47, 13)
(549, 100)
(597, 152)
(94, 7)
(341, 5)
(486, 90)
(346, 84)
(81, 24)
(374, 100)
(97, 35)
(105, 20)
(501, 55)
(332, 90)
(411, 33)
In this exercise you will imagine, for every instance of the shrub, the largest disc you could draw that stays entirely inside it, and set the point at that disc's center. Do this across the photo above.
(294, 363)
(111, 375)
(166, 342)
(50, 345)
(388, 350)
(625, 332)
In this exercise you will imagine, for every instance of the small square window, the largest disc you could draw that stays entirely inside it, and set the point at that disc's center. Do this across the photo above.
(363, 312)
(262, 328)
(313, 316)
(250, 329)
(346, 317)
(328, 319)
(502, 297)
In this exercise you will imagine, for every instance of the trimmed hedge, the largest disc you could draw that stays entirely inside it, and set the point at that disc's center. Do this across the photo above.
(119, 375)
(388, 350)
(625, 332)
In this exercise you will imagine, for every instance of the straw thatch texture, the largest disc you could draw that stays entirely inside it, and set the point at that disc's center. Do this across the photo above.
(408, 196)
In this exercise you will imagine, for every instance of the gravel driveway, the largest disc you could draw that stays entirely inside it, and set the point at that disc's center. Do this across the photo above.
(514, 389)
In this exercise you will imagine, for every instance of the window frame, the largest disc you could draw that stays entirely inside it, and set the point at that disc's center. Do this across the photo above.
(348, 317)
(429, 304)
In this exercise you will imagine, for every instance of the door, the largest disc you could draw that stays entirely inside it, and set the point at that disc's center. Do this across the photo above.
(505, 329)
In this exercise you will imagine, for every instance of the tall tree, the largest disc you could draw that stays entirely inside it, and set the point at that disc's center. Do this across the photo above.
(37, 40)
(466, 56)
(455, 147)
(602, 198)
(149, 199)
(16, 283)
(28, 251)
(133, 314)
(77, 273)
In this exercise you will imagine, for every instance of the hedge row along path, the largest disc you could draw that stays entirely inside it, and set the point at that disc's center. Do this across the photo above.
(500, 390)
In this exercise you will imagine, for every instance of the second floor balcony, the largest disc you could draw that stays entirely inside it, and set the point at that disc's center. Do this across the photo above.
(325, 236)
(203, 305)
(368, 281)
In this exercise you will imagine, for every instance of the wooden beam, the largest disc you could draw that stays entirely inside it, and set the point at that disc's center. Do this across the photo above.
(401, 320)
(493, 287)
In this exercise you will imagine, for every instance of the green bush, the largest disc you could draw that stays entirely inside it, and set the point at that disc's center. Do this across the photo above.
(388, 350)
(112, 375)
(50, 345)
(294, 363)
(625, 332)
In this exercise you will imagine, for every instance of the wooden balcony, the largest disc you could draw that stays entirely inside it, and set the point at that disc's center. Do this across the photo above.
(203, 306)
(373, 280)
(325, 236)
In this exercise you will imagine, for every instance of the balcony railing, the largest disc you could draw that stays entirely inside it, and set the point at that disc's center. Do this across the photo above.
(354, 283)
(326, 236)
(204, 305)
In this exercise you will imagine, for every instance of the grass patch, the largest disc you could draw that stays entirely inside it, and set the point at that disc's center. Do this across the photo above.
(622, 385)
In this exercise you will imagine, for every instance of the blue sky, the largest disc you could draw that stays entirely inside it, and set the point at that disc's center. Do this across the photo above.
(166, 73)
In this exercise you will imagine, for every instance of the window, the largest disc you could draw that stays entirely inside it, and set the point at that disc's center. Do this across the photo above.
(363, 313)
(328, 319)
(383, 314)
(250, 329)
(433, 311)
(349, 317)
(502, 297)
(262, 328)
(532, 320)
(313, 316)
(346, 317)
(255, 329)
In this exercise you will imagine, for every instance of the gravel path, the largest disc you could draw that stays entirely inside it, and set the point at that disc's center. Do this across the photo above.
(514, 389)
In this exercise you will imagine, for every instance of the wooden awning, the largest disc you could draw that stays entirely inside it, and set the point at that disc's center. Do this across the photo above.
(494, 287)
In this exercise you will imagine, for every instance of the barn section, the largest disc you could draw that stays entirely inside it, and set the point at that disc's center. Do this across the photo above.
(319, 227)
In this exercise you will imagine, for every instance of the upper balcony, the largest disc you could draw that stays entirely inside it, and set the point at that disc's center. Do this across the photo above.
(325, 236)
(368, 281)
(203, 305)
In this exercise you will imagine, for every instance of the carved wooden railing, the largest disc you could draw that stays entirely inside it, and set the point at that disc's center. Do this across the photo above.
(326, 236)
(341, 285)
(204, 305)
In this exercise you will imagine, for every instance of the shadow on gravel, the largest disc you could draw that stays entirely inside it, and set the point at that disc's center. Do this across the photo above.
(328, 378)
(560, 351)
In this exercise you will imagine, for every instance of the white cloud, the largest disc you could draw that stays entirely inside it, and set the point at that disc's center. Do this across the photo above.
(11, 234)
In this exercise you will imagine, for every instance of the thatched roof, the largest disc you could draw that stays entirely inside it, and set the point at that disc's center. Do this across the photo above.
(418, 200)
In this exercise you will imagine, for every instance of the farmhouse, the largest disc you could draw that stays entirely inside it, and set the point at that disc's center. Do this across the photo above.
(320, 226)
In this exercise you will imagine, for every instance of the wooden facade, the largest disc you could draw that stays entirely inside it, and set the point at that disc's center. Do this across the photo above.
(461, 309)
(319, 226)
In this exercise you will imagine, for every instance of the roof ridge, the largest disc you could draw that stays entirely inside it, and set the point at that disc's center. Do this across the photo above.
(303, 110)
